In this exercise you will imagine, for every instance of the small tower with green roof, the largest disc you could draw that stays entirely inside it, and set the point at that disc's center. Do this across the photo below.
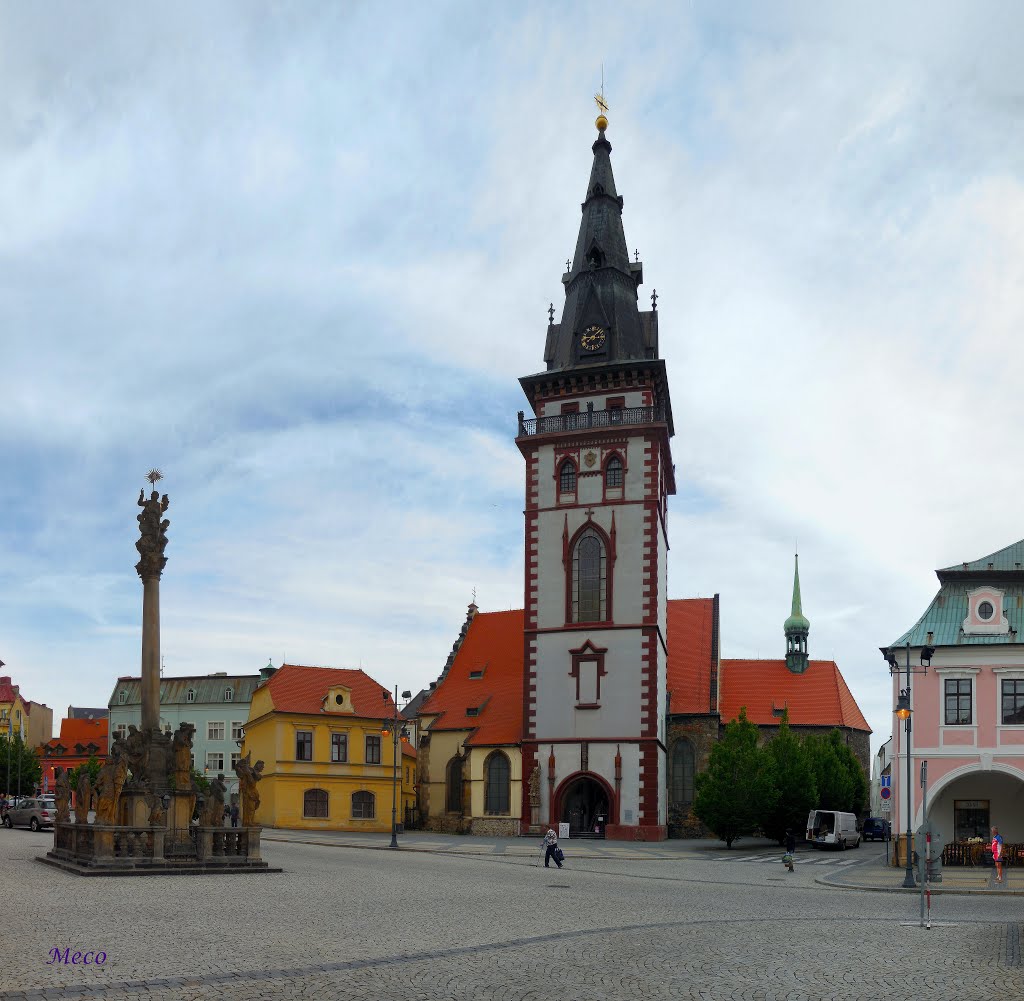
(796, 628)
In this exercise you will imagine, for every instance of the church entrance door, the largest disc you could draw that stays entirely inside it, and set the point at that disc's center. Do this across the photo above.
(585, 808)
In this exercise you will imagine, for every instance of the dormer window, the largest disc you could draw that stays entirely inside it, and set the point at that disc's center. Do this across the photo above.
(122, 697)
(473, 711)
(229, 695)
(190, 695)
(476, 675)
(985, 612)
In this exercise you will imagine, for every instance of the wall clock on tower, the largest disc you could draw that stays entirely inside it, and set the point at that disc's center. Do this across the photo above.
(593, 338)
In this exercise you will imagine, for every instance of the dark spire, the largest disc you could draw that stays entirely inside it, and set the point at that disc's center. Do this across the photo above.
(601, 285)
(796, 627)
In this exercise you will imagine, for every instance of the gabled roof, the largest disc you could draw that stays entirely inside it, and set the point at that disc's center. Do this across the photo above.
(8, 692)
(297, 689)
(691, 650)
(817, 697)
(494, 645)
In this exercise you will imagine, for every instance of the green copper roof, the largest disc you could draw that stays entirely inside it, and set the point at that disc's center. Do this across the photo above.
(944, 618)
(796, 621)
(1008, 560)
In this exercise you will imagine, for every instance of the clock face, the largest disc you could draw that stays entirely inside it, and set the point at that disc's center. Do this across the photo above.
(593, 338)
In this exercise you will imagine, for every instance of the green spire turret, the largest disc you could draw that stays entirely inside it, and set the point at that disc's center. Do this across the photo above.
(796, 627)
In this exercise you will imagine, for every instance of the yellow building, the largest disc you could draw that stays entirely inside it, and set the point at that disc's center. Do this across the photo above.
(328, 762)
(19, 715)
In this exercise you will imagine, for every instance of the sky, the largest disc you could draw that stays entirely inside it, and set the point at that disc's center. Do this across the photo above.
(297, 255)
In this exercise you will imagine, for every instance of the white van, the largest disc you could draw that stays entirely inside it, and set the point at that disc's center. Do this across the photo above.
(831, 828)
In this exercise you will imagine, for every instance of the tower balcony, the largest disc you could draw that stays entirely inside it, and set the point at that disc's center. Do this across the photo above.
(588, 419)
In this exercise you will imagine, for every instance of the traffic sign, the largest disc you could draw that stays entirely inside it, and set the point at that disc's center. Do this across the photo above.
(886, 781)
(885, 792)
(887, 807)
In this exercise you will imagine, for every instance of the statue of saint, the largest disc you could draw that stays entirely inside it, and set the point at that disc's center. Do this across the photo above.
(157, 813)
(108, 788)
(535, 786)
(62, 795)
(181, 748)
(83, 796)
(248, 775)
(136, 750)
(213, 808)
(152, 534)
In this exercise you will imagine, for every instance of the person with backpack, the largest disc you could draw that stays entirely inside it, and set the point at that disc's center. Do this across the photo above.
(551, 849)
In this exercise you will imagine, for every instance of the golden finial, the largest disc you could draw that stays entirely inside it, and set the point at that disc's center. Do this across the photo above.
(601, 122)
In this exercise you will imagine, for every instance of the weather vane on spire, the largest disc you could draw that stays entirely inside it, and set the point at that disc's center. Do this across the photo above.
(602, 105)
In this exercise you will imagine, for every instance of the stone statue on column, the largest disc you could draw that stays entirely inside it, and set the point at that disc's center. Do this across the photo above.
(109, 785)
(62, 795)
(181, 748)
(153, 534)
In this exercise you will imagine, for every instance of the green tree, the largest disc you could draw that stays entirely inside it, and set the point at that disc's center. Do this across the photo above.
(738, 788)
(92, 766)
(840, 779)
(795, 779)
(24, 766)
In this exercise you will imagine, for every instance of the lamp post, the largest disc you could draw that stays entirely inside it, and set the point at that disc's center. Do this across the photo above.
(398, 732)
(904, 712)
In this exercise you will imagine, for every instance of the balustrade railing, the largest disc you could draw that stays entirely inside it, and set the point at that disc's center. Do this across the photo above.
(588, 419)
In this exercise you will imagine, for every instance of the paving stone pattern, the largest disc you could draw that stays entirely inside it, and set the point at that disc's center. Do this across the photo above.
(345, 923)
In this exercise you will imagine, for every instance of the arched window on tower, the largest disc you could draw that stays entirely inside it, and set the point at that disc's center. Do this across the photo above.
(567, 477)
(589, 578)
(453, 799)
(681, 789)
(498, 777)
(613, 472)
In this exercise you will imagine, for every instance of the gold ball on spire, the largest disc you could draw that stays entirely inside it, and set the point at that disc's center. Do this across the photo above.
(601, 123)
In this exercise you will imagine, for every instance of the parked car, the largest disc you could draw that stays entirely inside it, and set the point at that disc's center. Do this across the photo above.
(876, 829)
(830, 828)
(33, 813)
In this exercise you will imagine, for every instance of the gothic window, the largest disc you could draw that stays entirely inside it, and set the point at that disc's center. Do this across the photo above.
(363, 805)
(314, 803)
(681, 790)
(499, 779)
(595, 258)
(453, 799)
(567, 477)
(613, 472)
(589, 583)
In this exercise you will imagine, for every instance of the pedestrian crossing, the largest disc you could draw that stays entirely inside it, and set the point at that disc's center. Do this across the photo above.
(837, 859)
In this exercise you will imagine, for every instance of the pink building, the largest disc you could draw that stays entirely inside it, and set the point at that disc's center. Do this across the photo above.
(967, 705)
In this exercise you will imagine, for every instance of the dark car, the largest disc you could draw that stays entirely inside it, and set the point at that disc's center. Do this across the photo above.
(876, 829)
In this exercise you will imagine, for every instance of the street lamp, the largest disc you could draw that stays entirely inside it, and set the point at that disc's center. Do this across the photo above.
(904, 712)
(398, 732)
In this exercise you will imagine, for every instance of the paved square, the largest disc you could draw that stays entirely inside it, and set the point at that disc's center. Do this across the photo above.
(351, 923)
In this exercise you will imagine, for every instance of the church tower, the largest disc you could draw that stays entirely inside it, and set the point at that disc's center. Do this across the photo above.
(598, 475)
(796, 628)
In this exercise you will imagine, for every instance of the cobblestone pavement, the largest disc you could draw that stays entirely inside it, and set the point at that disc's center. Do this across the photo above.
(350, 924)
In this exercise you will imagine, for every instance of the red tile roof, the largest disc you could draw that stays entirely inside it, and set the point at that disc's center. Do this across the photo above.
(408, 750)
(818, 697)
(297, 689)
(84, 732)
(690, 622)
(8, 692)
(494, 645)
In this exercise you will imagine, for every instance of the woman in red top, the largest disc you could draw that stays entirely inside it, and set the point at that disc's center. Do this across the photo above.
(997, 853)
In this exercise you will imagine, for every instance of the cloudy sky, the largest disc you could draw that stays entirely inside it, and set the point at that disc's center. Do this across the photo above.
(298, 254)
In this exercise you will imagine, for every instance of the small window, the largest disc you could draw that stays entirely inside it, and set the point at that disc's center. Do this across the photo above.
(570, 408)
(314, 803)
(473, 711)
(122, 697)
(121, 731)
(567, 477)
(1013, 702)
(339, 747)
(958, 701)
(986, 611)
(363, 804)
(237, 730)
(190, 695)
(476, 675)
(229, 694)
(304, 745)
(215, 761)
(613, 472)
(214, 731)
(373, 750)
(236, 756)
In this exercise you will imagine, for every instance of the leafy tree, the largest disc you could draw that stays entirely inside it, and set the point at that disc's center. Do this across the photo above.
(23, 764)
(738, 788)
(92, 766)
(795, 778)
(838, 774)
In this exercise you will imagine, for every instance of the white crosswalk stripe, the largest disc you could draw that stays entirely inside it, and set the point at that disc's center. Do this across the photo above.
(777, 859)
